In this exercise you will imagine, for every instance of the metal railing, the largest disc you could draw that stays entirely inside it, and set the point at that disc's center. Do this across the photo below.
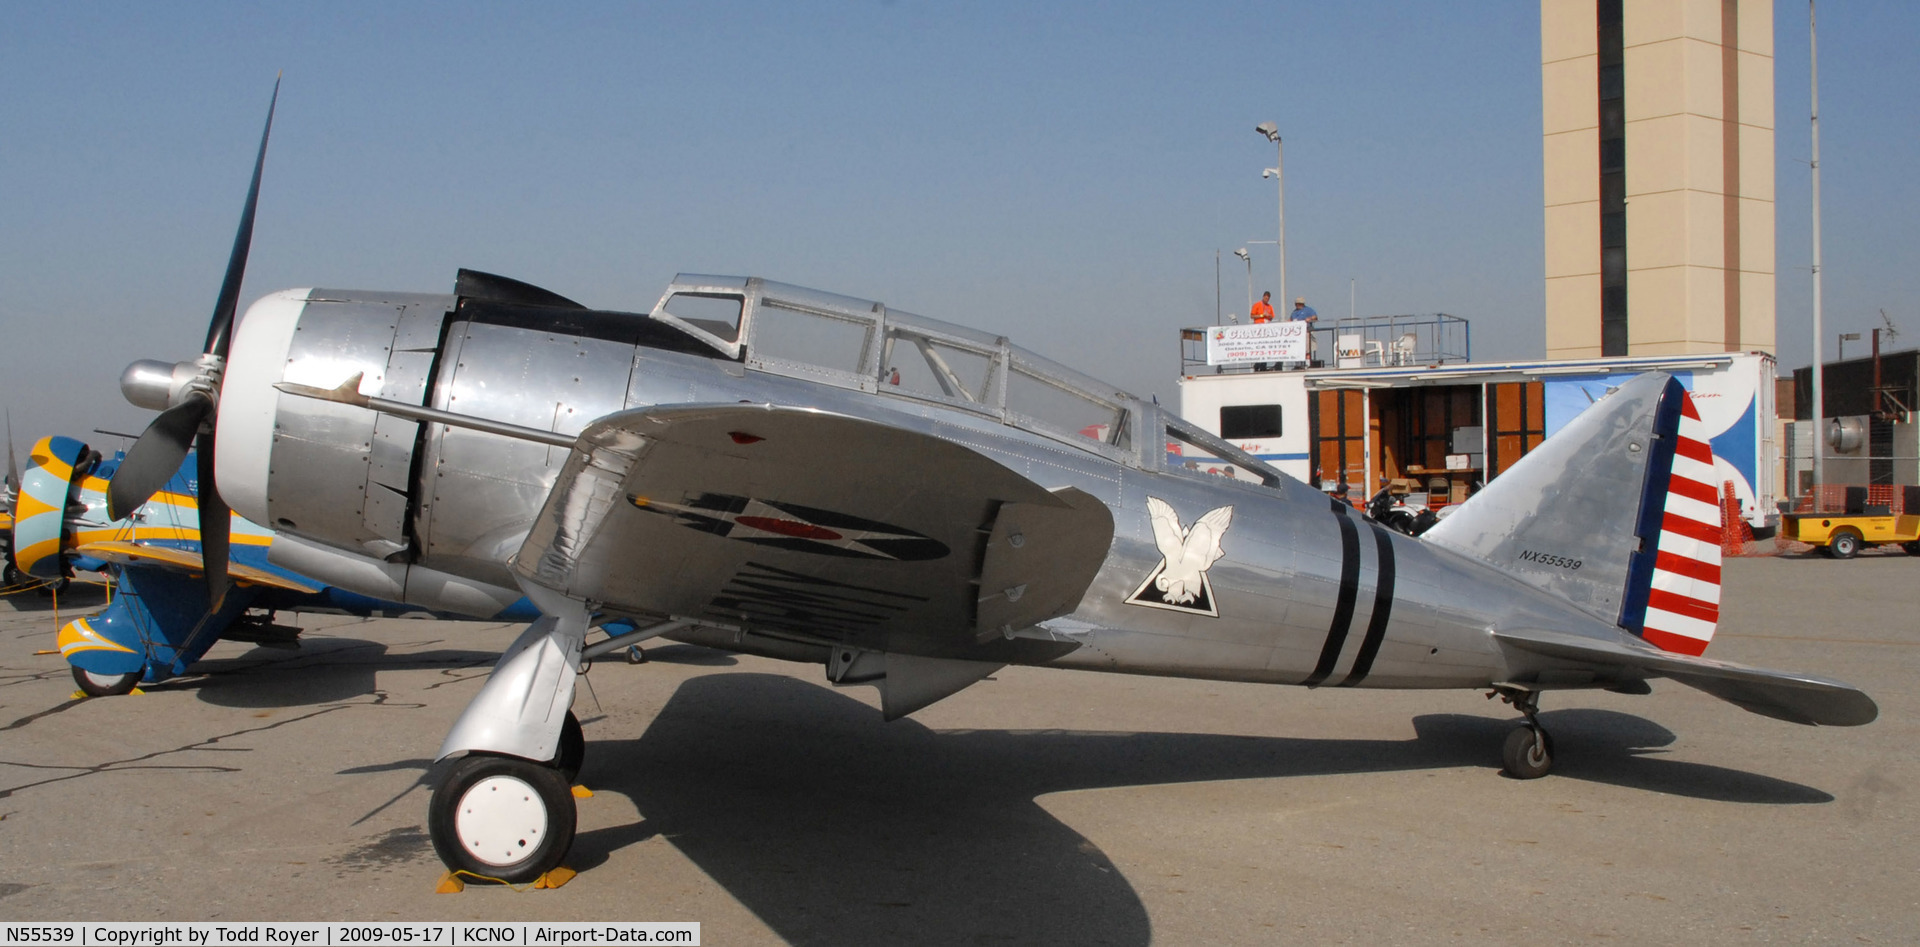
(1355, 342)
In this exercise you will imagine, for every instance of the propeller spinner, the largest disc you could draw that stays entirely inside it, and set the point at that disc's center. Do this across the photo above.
(192, 392)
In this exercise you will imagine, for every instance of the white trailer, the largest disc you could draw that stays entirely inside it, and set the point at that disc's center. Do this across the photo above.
(1449, 425)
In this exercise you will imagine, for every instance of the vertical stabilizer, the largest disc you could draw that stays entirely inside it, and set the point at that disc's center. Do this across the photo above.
(1616, 513)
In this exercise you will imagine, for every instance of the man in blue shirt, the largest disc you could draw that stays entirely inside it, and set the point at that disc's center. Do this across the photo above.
(1304, 313)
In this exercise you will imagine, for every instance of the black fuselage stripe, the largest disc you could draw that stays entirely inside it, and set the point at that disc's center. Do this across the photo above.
(1382, 608)
(1343, 607)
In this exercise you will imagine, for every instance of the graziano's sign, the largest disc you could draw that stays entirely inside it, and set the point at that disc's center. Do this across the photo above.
(1263, 342)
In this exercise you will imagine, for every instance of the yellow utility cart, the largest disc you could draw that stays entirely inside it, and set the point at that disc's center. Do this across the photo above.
(1840, 535)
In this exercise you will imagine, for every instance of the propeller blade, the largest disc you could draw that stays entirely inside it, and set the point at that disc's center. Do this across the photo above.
(220, 329)
(215, 522)
(156, 456)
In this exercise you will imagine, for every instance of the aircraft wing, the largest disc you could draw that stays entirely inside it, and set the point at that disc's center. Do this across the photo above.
(803, 521)
(1783, 695)
(182, 560)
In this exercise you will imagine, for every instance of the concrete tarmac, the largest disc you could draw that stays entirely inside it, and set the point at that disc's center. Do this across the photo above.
(1036, 807)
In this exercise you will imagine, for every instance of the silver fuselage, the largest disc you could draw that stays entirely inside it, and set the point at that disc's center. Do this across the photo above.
(1305, 592)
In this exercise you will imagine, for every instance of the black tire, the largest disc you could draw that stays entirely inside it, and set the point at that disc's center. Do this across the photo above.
(1912, 548)
(572, 753)
(501, 817)
(52, 587)
(1527, 754)
(12, 575)
(106, 685)
(1844, 544)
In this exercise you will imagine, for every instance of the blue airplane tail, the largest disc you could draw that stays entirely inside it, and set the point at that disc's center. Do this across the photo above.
(48, 488)
(1638, 455)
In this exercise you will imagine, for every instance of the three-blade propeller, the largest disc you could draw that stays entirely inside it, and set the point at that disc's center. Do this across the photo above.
(189, 421)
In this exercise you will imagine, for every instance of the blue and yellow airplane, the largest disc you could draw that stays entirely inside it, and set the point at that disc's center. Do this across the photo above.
(160, 618)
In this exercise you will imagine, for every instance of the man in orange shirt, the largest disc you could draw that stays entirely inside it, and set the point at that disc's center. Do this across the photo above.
(1263, 310)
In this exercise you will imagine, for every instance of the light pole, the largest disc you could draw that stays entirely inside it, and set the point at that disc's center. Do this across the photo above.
(1272, 132)
(1242, 254)
(1216, 286)
(1819, 382)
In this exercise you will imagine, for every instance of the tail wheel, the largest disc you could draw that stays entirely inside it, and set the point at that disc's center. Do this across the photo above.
(1528, 753)
(1844, 544)
(502, 817)
(105, 685)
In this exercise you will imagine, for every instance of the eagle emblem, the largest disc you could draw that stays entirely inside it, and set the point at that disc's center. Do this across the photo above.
(1180, 582)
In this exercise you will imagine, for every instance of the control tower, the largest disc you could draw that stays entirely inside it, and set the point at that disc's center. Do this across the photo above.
(1659, 180)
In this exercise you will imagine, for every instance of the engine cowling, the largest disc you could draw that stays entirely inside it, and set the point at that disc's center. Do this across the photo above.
(335, 473)
(378, 485)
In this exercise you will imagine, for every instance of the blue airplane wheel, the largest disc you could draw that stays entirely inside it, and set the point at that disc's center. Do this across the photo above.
(1528, 753)
(502, 817)
(105, 685)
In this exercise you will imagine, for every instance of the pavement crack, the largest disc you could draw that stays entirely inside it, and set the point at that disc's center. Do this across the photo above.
(50, 711)
(143, 761)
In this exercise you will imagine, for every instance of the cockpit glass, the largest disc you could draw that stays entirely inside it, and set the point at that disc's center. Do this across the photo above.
(1192, 451)
(718, 315)
(804, 337)
(1063, 409)
(919, 364)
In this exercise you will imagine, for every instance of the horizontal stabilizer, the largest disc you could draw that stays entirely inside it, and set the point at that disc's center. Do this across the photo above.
(1783, 695)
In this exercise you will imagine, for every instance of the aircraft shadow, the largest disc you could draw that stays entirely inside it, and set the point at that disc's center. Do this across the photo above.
(834, 827)
(321, 671)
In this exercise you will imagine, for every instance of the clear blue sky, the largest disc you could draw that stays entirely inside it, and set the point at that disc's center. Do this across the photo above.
(1062, 173)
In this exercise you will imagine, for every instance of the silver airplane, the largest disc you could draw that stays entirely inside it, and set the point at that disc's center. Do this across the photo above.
(910, 504)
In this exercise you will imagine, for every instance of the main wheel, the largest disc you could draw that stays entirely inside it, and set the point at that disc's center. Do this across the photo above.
(1528, 753)
(1844, 544)
(573, 749)
(106, 685)
(501, 817)
(1912, 548)
(52, 587)
(12, 575)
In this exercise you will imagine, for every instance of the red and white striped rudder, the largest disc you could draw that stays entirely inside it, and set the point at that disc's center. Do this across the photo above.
(1683, 602)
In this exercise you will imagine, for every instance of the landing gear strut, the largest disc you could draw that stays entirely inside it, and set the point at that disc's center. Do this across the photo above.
(1528, 751)
(504, 809)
